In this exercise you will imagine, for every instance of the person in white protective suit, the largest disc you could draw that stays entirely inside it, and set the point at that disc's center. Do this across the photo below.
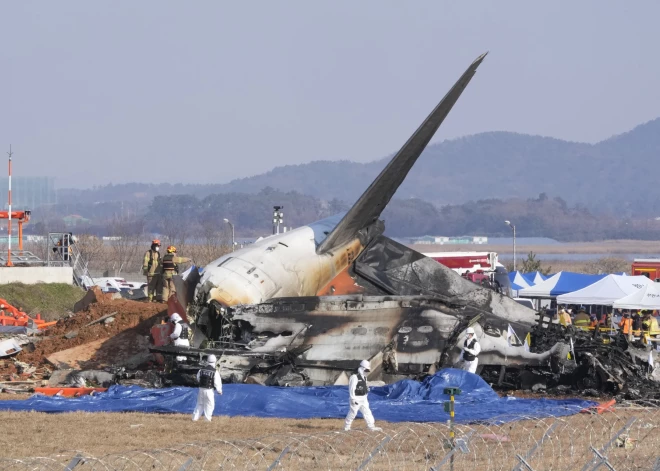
(357, 398)
(209, 382)
(470, 352)
(180, 337)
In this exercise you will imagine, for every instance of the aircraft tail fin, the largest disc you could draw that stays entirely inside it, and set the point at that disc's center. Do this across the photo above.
(370, 205)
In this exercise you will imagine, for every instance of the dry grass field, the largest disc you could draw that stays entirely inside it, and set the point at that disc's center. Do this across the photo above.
(606, 247)
(149, 441)
(104, 433)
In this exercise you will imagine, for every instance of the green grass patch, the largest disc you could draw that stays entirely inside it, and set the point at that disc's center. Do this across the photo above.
(51, 300)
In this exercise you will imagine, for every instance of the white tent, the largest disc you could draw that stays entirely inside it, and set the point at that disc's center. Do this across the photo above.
(605, 291)
(646, 298)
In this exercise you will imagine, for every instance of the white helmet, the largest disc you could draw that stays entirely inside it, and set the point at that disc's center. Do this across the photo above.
(469, 330)
(175, 317)
(211, 360)
(366, 365)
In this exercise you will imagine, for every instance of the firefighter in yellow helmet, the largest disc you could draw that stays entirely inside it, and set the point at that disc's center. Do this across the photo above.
(151, 269)
(170, 264)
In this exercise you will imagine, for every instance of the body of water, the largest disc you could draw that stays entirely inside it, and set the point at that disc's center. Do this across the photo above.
(578, 257)
(523, 241)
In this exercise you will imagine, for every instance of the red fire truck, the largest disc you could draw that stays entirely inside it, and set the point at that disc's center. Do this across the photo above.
(648, 267)
(466, 262)
(480, 267)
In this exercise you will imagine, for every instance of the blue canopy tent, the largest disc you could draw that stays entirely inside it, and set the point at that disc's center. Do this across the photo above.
(558, 284)
(534, 278)
(518, 282)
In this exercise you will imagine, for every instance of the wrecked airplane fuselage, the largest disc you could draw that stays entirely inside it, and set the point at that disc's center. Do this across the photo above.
(283, 297)
(402, 335)
(408, 318)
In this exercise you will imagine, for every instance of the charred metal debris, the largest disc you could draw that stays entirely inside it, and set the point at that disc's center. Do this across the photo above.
(597, 364)
(589, 363)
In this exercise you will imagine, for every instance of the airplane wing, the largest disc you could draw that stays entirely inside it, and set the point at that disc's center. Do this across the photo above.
(369, 207)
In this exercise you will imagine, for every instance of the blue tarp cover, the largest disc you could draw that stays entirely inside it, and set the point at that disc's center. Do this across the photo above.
(403, 401)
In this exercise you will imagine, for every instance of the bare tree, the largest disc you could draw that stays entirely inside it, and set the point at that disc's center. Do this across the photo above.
(215, 241)
(90, 246)
(607, 265)
(127, 238)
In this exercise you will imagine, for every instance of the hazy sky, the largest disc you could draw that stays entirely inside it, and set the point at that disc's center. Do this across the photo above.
(207, 91)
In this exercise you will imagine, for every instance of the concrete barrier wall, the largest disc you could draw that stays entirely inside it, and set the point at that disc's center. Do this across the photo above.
(32, 275)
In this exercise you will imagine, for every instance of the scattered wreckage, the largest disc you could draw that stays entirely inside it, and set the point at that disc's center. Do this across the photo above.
(313, 341)
(596, 362)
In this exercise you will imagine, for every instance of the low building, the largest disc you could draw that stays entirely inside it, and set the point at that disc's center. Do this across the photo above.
(470, 240)
(439, 240)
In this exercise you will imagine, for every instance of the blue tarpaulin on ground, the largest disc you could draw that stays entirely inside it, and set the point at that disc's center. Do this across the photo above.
(403, 401)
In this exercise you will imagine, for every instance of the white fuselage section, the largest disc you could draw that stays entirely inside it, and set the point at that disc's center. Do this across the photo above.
(280, 265)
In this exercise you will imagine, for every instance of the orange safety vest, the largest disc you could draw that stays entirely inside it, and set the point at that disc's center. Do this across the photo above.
(625, 325)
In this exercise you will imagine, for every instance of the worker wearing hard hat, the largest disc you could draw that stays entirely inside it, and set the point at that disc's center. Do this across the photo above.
(170, 268)
(209, 382)
(181, 334)
(471, 351)
(151, 269)
(357, 398)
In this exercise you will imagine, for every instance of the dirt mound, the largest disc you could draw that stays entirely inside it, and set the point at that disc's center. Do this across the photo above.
(131, 318)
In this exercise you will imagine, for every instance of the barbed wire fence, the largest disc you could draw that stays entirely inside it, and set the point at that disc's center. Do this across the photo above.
(625, 439)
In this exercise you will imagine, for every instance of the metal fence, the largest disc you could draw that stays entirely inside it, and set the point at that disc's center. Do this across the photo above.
(627, 439)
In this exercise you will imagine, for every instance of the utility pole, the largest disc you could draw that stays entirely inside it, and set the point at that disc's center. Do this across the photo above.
(508, 223)
(9, 264)
(278, 216)
(233, 243)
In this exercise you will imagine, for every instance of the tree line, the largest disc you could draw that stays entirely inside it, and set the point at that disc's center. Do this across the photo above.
(185, 217)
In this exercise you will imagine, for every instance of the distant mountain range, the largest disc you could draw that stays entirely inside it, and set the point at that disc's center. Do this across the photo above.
(617, 175)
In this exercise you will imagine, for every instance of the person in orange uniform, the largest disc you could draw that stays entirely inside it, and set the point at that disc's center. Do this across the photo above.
(625, 324)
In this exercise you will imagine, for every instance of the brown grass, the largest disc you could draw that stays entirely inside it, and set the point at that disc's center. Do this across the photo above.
(607, 247)
(103, 433)
(320, 444)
